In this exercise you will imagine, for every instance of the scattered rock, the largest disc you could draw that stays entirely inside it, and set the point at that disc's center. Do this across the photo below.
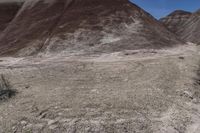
(52, 127)
(187, 94)
(50, 122)
(23, 123)
(182, 58)
(29, 125)
(27, 86)
(39, 126)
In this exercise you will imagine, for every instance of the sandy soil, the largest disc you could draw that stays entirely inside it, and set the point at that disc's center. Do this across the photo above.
(142, 91)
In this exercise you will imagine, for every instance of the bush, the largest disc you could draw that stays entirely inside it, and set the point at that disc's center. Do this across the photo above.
(6, 90)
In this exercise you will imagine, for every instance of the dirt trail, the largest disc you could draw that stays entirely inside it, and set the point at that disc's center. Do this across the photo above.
(144, 93)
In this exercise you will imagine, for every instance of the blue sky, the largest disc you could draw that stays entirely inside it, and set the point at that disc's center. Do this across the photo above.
(160, 8)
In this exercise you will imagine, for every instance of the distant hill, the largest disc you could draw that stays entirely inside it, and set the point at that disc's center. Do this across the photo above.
(186, 25)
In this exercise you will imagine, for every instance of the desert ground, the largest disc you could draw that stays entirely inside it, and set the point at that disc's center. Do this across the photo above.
(97, 66)
(135, 91)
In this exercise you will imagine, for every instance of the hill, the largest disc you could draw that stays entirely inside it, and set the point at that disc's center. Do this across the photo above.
(186, 25)
(89, 26)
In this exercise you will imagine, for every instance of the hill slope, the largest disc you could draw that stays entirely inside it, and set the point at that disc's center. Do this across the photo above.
(7, 13)
(87, 26)
(186, 26)
(176, 19)
(191, 29)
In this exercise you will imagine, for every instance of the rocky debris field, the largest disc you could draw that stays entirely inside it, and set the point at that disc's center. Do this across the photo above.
(147, 91)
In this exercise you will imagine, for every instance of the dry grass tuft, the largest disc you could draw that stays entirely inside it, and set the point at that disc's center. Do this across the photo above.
(6, 90)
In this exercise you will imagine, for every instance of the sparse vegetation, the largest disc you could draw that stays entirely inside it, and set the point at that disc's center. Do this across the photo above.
(6, 90)
(197, 84)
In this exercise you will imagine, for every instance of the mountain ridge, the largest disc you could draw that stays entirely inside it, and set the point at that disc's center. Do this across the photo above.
(186, 26)
(83, 26)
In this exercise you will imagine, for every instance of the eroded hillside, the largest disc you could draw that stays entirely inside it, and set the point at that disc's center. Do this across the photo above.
(185, 25)
(78, 26)
(7, 13)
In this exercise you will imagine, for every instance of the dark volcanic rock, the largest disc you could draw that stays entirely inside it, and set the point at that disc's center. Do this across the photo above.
(87, 26)
(186, 25)
(7, 13)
